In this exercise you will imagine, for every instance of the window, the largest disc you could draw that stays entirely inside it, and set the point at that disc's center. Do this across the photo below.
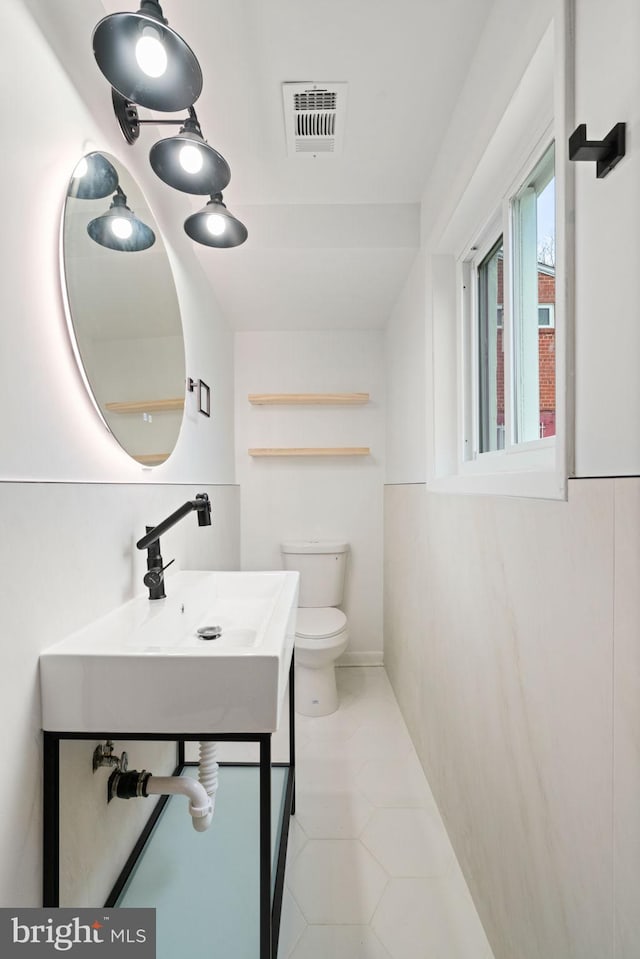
(546, 314)
(499, 313)
(491, 350)
(533, 243)
(511, 322)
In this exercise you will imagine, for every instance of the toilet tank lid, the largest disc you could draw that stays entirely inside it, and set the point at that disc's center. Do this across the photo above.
(314, 546)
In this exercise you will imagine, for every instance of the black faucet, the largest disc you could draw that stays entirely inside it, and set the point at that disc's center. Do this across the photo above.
(154, 577)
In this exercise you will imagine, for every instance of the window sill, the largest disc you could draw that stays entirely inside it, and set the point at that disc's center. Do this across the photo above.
(532, 484)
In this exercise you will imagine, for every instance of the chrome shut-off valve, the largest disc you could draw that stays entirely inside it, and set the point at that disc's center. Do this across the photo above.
(103, 755)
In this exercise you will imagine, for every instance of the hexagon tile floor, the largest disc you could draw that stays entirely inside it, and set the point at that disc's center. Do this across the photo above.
(370, 870)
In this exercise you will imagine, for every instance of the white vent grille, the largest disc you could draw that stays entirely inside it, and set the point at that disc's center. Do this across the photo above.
(314, 118)
(313, 145)
(315, 124)
(315, 100)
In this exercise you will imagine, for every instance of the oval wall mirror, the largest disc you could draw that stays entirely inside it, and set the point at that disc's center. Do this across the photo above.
(123, 309)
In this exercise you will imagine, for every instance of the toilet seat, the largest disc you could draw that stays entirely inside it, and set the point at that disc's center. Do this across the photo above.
(320, 622)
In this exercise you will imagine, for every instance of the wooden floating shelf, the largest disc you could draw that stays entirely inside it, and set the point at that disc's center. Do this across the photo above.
(147, 406)
(313, 451)
(308, 399)
(151, 459)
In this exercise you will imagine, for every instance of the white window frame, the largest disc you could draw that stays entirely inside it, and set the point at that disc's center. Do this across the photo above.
(534, 454)
(540, 468)
(468, 270)
(552, 316)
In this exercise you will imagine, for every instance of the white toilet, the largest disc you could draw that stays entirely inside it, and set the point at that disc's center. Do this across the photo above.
(321, 629)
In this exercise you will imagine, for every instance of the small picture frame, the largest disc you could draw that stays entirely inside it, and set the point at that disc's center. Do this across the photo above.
(204, 395)
(204, 398)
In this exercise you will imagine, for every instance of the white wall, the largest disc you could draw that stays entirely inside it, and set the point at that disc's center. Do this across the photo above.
(405, 354)
(41, 389)
(499, 640)
(511, 624)
(71, 502)
(607, 245)
(316, 497)
(67, 551)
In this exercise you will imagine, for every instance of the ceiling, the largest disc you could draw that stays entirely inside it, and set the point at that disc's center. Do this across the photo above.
(332, 239)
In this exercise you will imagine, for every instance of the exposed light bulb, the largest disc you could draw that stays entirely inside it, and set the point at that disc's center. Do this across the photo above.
(191, 158)
(151, 54)
(121, 227)
(81, 169)
(216, 224)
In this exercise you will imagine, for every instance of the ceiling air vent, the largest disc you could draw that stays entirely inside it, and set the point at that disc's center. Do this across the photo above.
(314, 118)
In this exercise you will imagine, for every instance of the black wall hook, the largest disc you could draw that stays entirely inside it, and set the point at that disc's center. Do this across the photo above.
(607, 153)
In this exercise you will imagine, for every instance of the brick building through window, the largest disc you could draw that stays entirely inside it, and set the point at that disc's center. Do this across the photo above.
(546, 348)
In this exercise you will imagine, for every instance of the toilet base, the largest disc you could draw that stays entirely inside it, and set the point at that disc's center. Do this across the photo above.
(316, 691)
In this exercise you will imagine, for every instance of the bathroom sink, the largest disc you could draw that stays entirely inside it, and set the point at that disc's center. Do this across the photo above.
(143, 668)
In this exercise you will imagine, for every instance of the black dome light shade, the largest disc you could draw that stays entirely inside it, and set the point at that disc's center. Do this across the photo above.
(93, 178)
(120, 229)
(215, 226)
(146, 61)
(186, 162)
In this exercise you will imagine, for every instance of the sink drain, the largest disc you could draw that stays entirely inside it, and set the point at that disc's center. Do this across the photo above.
(210, 632)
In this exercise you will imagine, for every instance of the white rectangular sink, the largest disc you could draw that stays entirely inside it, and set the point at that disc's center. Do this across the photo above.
(143, 668)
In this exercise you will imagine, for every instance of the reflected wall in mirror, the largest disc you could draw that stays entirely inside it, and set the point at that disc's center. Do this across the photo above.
(123, 309)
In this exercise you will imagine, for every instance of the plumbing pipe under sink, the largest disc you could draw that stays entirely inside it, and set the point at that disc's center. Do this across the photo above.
(200, 805)
(208, 770)
(201, 810)
(201, 793)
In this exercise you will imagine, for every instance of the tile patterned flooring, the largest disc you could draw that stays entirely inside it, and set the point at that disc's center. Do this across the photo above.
(370, 870)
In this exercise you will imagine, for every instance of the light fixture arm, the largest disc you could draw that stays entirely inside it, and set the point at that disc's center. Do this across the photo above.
(191, 120)
(130, 122)
(159, 122)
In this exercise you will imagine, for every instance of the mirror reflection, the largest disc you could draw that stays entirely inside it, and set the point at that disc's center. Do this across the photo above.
(123, 308)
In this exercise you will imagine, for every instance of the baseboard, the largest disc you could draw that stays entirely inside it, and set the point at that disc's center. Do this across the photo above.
(370, 658)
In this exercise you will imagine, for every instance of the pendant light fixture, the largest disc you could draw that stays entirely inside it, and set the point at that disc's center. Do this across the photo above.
(120, 229)
(187, 162)
(94, 177)
(215, 226)
(148, 64)
(146, 61)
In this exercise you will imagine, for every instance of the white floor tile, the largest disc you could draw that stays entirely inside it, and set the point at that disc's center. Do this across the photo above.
(428, 917)
(395, 781)
(339, 942)
(335, 726)
(370, 866)
(332, 815)
(297, 839)
(330, 773)
(368, 682)
(336, 881)
(366, 708)
(292, 925)
(378, 739)
(409, 842)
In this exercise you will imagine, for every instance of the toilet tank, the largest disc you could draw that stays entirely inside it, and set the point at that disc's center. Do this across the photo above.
(321, 565)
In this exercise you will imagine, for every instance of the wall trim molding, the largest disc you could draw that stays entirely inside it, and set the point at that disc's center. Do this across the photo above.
(420, 483)
(370, 658)
(20, 481)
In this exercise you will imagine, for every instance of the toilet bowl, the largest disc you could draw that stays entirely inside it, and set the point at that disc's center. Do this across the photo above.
(321, 629)
(321, 637)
